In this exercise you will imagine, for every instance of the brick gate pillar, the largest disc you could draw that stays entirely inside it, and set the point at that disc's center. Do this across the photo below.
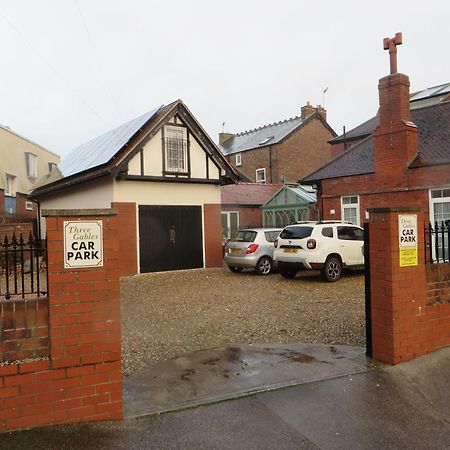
(398, 287)
(84, 313)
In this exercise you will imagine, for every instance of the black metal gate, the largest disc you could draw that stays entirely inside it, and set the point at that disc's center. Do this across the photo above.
(170, 237)
(367, 290)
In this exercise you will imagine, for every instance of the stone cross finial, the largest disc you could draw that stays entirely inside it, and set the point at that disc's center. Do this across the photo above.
(391, 45)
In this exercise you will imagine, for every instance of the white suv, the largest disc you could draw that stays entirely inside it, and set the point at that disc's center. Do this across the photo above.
(326, 245)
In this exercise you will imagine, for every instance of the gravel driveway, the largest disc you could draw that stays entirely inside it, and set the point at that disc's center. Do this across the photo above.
(168, 313)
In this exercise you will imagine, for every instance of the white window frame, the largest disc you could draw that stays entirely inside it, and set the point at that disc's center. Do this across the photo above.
(29, 206)
(352, 205)
(179, 151)
(31, 164)
(263, 171)
(238, 159)
(434, 201)
(227, 235)
(10, 188)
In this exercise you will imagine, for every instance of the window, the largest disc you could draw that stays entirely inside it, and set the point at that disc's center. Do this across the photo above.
(327, 232)
(29, 206)
(350, 209)
(31, 163)
(350, 234)
(238, 159)
(260, 175)
(10, 185)
(440, 214)
(271, 235)
(266, 140)
(175, 150)
(230, 224)
(51, 166)
(296, 232)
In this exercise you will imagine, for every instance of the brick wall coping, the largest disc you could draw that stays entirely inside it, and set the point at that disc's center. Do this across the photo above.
(387, 209)
(78, 212)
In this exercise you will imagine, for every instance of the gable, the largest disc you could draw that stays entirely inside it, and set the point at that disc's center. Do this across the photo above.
(292, 195)
(130, 152)
(173, 152)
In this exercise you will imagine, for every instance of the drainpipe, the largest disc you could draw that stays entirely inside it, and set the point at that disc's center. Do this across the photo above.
(270, 164)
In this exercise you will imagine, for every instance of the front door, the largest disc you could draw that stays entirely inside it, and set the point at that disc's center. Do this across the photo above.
(170, 238)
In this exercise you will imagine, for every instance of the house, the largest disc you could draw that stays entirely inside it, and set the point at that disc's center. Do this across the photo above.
(379, 170)
(282, 151)
(291, 203)
(22, 163)
(241, 205)
(163, 173)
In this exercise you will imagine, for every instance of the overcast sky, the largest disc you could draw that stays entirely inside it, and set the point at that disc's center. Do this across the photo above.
(73, 69)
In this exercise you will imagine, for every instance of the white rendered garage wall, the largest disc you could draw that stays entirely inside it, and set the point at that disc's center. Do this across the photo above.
(97, 194)
(154, 193)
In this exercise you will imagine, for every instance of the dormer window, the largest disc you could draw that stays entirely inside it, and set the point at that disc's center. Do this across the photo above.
(175, 150)
(31, 163)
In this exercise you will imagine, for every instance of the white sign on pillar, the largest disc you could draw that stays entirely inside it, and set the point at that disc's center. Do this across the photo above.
(83, 244)
(408, 240)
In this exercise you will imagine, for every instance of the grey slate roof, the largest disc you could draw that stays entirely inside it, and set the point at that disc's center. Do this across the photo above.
(259, 137)
(433, 124)
(100, 150)
(420, 99)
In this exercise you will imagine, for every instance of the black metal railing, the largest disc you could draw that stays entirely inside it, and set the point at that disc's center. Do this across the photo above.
(437, 239)
(22, 267)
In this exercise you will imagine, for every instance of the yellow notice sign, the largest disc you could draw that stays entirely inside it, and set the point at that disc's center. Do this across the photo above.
(408, 242)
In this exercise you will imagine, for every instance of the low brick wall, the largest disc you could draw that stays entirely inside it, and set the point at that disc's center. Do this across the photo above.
(35, 394)
(24, 328)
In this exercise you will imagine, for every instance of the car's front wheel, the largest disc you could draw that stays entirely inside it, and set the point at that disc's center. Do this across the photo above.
(332, 270)
(235, 269)
(264, 266)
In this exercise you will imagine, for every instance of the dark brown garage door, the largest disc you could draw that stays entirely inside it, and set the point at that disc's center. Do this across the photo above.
(170, 237)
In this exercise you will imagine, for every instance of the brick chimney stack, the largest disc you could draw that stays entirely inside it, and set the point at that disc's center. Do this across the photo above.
(224, 137)
(309, 109)
(396, 142)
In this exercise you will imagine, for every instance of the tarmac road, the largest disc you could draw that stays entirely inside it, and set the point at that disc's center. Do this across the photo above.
(399, 407)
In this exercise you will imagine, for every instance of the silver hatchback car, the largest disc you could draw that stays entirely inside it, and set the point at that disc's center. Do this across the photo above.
(251, 248)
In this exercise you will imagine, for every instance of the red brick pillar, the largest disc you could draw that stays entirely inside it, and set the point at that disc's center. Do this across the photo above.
(213, 235)
(84, 322)
(128, 239)
(398, 294)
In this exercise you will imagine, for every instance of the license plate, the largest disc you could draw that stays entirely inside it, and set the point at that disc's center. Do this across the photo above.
(290, 250)
(235, 250)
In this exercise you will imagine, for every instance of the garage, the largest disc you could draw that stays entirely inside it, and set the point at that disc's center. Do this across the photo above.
(170, 238)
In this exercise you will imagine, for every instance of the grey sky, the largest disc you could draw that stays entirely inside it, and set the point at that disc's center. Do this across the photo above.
(73, 69)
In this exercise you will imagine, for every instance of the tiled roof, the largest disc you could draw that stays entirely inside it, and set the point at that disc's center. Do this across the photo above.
(259, 137)
(433, 124)
(420, 99)
(100, 150)
(247, 193)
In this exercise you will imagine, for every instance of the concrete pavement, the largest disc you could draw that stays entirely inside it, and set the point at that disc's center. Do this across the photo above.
(404, 406)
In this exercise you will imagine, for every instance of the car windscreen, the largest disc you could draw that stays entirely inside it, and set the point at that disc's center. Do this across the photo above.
(299, 232)
(245, 236)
